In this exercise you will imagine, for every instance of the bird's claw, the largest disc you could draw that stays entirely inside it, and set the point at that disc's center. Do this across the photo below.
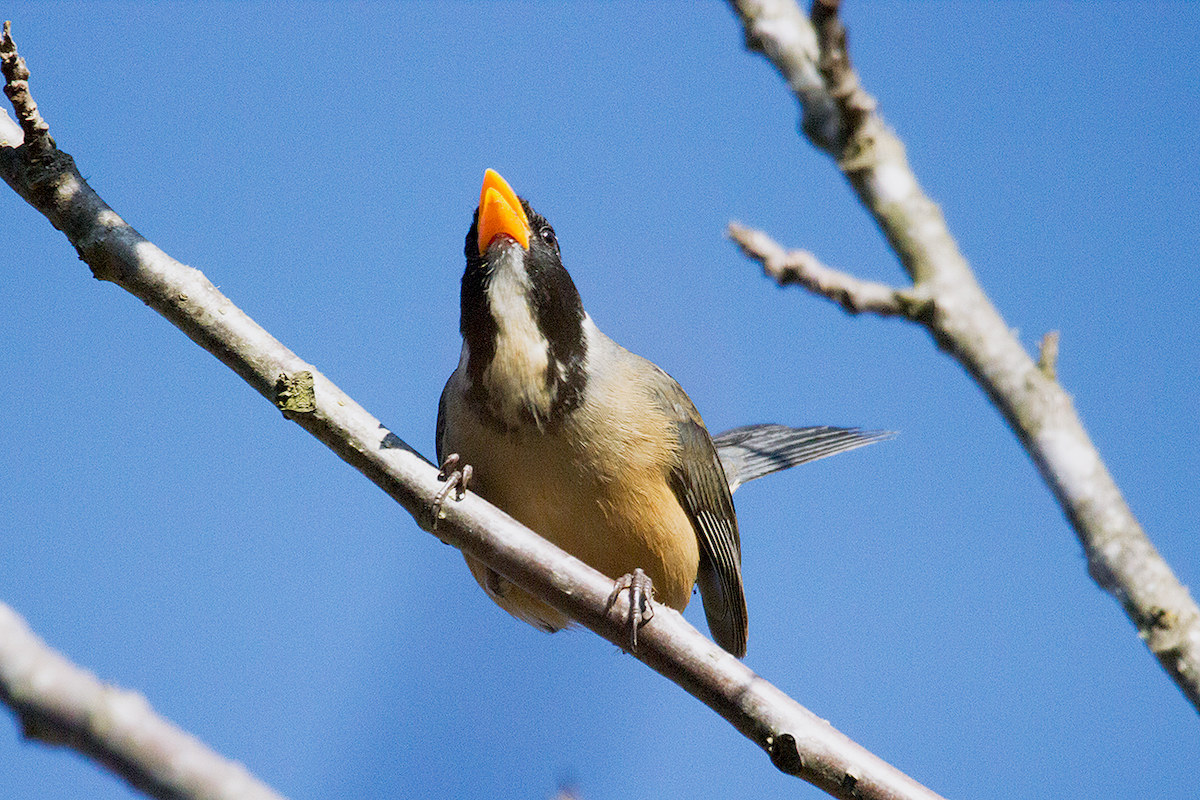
(641, 610)
(456, 480)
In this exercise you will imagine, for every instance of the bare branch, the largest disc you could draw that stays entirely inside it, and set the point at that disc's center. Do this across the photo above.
(966, 325)
(797, 741)
(61, 704)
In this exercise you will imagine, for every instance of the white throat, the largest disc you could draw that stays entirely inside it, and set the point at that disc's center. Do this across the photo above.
(516, 379)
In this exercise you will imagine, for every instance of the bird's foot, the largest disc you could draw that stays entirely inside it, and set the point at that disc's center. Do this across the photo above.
(641, 609)
(456, 477)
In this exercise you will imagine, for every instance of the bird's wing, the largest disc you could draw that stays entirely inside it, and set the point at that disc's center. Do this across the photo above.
(753, 451)
(700, 486)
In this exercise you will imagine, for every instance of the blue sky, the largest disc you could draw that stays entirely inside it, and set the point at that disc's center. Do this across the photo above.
(164, 527)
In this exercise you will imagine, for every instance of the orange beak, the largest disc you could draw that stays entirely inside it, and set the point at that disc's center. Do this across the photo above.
(500, 212)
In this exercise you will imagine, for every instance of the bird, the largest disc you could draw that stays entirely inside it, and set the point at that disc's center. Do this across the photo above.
(593, 447)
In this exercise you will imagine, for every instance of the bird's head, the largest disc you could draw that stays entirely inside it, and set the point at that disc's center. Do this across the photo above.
(522, 318)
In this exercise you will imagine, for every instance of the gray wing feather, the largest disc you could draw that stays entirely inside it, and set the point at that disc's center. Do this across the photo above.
(753, 451)
(700, 485)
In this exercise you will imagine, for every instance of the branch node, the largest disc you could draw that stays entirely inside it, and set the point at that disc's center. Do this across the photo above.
(294, 394)
(1048, 355)
(785, 755)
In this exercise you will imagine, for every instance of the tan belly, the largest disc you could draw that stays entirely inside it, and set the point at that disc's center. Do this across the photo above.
(613, 512)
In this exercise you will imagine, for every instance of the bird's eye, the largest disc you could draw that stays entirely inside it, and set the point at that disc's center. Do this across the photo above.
(548, 236)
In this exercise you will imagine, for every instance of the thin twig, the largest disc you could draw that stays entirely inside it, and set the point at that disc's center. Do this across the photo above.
(16, 87)
(802, 268)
